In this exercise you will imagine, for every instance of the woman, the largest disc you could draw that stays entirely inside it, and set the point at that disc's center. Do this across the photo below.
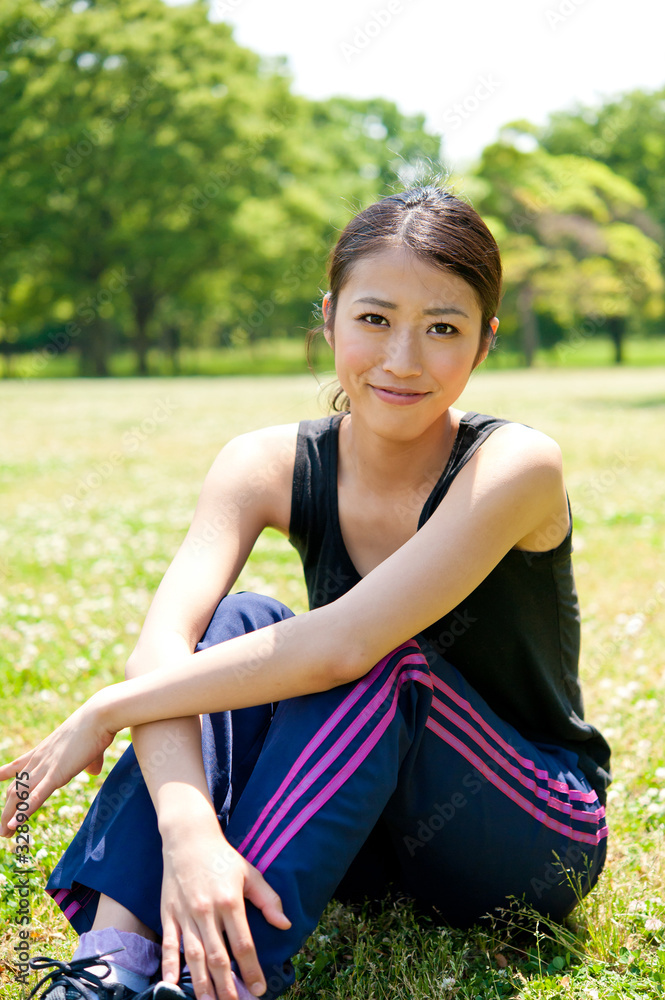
(421, 726)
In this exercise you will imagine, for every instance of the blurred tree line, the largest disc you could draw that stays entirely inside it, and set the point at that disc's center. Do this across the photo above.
(161, 186)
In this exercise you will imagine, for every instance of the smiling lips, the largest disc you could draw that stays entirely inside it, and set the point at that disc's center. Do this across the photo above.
(401, 397)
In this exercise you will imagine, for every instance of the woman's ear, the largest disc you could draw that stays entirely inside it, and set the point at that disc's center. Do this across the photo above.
(327, 330)
(486, 343)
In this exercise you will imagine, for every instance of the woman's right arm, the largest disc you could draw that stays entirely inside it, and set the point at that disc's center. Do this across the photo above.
(247, 489)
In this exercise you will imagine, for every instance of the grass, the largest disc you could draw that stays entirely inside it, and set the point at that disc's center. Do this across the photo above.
(100, 479)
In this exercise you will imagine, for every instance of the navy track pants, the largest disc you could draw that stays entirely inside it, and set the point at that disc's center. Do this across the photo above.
(403, 777)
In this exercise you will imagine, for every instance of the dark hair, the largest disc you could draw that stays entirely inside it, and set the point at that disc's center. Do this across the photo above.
(438, 228)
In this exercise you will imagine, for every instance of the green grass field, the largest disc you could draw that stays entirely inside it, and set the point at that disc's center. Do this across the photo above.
(99, 482)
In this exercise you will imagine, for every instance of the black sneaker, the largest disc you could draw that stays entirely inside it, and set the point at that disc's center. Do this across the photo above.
(182, 990)
(74, 981)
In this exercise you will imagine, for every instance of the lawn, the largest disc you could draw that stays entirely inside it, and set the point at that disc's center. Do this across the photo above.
(99, 482)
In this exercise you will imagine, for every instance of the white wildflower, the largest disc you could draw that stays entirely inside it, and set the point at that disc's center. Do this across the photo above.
(634, 624)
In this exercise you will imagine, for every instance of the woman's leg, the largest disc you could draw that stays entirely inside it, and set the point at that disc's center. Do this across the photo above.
(482, 814)
(328, 767)
(117, 851)
(474, 813)
(112, 914)
(303, 790)
(306, 788)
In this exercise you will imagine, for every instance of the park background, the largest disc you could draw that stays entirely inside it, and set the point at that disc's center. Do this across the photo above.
(168, 198)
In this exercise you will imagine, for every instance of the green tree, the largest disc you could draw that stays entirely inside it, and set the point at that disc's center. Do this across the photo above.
(627, 133)
(571, 246)
(178, 187)
(133, 135)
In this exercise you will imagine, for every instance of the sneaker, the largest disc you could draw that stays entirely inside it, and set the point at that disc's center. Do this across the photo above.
(75, 981)
(182, 990)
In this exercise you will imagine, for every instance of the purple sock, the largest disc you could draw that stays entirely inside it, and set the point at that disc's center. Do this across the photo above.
(134, 966)
(243, 992)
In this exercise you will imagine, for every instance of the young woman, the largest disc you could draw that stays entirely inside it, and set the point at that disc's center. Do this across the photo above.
(421, 726)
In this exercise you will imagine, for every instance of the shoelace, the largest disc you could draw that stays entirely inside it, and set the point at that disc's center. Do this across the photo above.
(76, 969)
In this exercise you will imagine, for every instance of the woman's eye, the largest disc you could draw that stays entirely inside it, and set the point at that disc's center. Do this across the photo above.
(373, 318)
(444, 328)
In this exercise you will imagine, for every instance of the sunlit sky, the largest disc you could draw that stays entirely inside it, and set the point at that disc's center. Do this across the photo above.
(498, 60)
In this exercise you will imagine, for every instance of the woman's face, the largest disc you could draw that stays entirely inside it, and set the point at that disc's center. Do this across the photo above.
(406, 338)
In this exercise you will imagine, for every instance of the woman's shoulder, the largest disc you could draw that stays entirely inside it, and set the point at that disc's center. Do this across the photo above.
(527, 464)
(255, 470)
(502, 436)
(268, 452)
(524, 443)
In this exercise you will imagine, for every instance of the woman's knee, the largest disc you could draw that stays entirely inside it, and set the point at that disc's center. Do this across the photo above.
(237, 614)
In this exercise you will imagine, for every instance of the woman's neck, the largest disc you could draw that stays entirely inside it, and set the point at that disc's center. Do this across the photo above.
(383, 466)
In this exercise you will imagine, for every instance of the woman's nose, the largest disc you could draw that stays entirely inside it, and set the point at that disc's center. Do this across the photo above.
(402, 356)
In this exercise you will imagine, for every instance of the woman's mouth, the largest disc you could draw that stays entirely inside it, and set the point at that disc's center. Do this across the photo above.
(398, 396)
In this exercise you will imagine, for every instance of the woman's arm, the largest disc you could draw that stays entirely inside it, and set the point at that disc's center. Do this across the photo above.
(247, 488)
(510, 490)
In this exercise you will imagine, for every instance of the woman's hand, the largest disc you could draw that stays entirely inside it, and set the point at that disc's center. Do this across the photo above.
(203, 897)
(78, 744)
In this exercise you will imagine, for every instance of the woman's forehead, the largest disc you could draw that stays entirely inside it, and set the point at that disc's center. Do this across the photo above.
(396, 276)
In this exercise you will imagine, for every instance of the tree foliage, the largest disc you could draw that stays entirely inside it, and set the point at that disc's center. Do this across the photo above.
(572, 242)
(162, 185)
(157, 178)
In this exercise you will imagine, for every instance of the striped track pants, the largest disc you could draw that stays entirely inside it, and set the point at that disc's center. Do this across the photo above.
(405, 778)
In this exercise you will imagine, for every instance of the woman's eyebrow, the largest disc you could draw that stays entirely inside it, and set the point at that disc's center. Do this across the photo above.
(436, 311)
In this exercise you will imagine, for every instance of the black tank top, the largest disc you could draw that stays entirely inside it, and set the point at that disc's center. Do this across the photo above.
(515, 638)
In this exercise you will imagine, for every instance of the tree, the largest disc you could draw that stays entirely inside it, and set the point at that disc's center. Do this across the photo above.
(627, 133)
(133, 135)
(173, 179)
(570, 244)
